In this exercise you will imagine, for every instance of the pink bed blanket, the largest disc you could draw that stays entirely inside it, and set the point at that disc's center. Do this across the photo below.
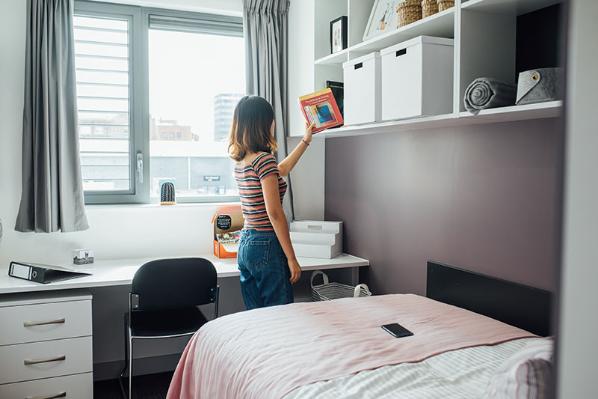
(266, 353)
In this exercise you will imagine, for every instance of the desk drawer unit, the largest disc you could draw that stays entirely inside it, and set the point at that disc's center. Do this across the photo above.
(44, 322)
(46, 346)
(78, 386)
(45, 359)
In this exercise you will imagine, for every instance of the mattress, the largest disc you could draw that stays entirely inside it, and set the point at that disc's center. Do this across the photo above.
(271, 352)
(459, 374)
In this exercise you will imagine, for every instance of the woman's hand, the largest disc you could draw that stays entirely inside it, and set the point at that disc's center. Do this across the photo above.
(308, 132)
(295, 270)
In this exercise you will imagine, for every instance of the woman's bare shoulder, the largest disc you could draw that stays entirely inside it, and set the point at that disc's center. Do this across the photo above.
(254, 158)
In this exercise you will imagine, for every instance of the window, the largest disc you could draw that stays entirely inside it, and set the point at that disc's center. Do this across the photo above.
(156, 90)
(194, 87)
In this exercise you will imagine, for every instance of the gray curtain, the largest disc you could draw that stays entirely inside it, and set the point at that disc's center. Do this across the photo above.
(52, 193)
(265, 27)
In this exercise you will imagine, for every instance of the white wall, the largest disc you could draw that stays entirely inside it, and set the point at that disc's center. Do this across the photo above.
(12, 65)
(309, 177)
(301, 58)
(309, 180)
(578, 349)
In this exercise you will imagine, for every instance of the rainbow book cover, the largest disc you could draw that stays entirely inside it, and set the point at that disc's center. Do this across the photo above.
(321, 109)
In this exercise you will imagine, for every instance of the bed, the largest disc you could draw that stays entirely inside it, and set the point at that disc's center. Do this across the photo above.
(465, 329)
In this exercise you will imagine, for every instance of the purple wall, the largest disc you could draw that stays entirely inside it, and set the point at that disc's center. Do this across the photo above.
(479, 197)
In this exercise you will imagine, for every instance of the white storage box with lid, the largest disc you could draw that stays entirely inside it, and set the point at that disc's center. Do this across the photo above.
(417, 78)
(362, 89)
(317, 239)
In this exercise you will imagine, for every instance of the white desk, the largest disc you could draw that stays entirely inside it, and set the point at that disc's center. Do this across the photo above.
(105, 273)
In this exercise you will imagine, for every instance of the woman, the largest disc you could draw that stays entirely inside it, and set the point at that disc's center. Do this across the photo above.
(266, 258)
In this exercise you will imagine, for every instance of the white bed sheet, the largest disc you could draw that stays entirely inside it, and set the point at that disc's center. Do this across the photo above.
(460, 374)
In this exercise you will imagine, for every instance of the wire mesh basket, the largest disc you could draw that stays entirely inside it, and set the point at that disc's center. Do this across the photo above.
(329, 291)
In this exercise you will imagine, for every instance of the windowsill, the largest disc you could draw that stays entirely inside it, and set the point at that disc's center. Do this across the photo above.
(157, 205)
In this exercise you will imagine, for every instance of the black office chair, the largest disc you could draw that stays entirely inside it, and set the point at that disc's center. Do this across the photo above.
(163, 303)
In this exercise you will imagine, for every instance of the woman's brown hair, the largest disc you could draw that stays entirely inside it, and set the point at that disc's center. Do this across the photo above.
(250, 131)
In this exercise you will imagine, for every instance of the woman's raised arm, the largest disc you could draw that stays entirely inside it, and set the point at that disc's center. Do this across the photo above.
(287, 164)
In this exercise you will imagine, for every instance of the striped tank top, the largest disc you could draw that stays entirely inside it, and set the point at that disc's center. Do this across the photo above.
(249, 180)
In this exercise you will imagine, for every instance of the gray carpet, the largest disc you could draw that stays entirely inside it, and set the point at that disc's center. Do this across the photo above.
(152, 386)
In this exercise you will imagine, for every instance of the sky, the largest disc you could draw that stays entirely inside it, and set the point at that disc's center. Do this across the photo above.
(186, 71)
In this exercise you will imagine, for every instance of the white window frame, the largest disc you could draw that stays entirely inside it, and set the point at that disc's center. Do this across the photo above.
(139, 116)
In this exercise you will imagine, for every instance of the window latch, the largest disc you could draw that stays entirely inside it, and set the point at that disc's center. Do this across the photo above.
(140, 166)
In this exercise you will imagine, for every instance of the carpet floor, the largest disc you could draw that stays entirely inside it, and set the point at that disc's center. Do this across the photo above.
(152, 386)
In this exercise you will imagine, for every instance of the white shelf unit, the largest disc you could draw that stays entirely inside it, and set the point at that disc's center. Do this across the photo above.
(484, 33)
(440, 24)
(551, 109)
(335, 58)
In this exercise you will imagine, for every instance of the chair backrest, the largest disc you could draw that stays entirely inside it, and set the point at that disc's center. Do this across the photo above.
(173, 284)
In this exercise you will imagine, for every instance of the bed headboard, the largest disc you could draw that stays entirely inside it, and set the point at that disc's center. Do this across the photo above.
(516, 304)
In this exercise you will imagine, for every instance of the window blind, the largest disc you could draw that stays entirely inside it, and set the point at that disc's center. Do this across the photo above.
(102, 72)
(205, 23)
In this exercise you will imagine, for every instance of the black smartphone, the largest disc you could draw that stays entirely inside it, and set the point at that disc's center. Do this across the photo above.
(397, 330)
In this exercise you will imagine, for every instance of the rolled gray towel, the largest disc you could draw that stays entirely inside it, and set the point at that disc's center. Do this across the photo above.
(485, 93)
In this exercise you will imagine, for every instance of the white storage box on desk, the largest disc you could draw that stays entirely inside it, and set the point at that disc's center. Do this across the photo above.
(417, 78)
(317, 239)
(362, 89)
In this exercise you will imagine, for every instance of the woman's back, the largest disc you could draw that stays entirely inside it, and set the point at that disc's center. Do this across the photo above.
(249, 176)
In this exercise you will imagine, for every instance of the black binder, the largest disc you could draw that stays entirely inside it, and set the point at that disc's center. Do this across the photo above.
(43, 274)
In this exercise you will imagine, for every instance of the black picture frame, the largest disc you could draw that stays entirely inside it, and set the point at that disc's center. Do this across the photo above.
(334, 24)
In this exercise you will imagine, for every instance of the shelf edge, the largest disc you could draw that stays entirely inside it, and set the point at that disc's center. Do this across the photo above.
(552, 109)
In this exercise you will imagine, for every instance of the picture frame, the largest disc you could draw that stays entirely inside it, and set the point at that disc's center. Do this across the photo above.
(383, 18)
(338, 34)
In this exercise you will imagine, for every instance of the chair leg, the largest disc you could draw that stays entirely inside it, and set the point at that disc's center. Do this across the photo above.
(130, 367)
(125, 369)
(216, 302)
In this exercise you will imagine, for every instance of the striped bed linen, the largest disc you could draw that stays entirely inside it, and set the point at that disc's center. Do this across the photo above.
(271, 352)
(460, 374)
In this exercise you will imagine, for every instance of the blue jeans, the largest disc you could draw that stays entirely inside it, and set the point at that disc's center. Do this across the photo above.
(264, 270)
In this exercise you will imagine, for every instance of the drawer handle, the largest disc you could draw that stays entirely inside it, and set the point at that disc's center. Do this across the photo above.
(401, 52)
(54, 396)
(43, 323)
(30, 362)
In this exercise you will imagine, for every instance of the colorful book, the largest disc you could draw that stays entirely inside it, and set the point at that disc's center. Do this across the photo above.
(321, 109)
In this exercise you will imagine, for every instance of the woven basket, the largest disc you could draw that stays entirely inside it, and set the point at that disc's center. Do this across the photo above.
(429, 7)
(409, 11)
(445, 4)
(329, 291)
